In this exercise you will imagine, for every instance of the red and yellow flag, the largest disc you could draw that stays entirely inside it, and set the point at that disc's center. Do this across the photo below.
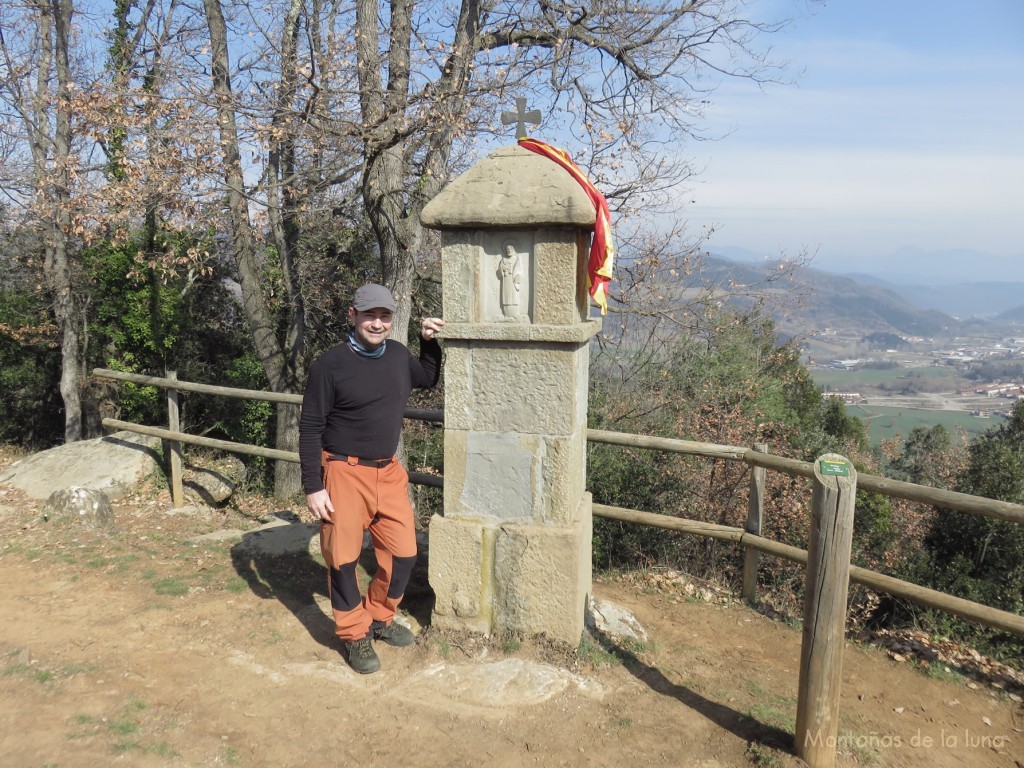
(602, 248)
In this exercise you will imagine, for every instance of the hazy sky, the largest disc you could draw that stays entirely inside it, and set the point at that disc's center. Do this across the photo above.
(904, 130)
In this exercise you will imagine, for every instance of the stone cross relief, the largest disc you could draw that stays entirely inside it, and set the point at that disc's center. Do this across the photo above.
(521, 117)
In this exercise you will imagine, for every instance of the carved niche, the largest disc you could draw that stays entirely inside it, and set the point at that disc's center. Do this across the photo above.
(506, 279)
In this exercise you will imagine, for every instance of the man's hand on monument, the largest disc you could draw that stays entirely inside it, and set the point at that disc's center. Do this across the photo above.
(430, 326)
(319, 503)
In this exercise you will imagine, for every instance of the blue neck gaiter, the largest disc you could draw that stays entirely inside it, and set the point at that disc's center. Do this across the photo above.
(359, 349)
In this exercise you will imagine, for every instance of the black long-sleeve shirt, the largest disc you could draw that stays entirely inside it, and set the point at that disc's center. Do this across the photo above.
(353, 405)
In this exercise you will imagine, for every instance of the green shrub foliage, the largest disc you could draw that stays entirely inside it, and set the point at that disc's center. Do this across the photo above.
(731, 384)
(977, 557)
(31, 410)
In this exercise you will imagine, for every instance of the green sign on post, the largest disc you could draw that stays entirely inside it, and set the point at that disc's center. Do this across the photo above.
(836, 468)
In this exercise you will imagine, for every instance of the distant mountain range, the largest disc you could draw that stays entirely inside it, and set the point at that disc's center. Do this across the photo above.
(986, 300)
(908, 266)
(867, 304)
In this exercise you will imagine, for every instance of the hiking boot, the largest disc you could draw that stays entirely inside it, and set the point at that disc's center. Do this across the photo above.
(361, 656)
(393, 634)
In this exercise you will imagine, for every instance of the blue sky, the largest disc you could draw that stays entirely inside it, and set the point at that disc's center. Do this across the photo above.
(904, 130)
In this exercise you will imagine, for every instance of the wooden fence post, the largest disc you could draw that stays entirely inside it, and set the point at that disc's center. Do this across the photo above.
(755, 516)
(174, 446)
(828, 579)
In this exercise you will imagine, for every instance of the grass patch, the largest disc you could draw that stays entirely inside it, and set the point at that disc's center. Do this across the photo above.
(28, 672)
(79, 668)
(885, 422)
(593, 653)
(172, 586)
(770, 715)
(939, 671)
(444, 649)
(162, 749)
(636, 647)
(236, 584)
(123, 727)
(16, 670)
(771, 709)
(127, 721)
(509, 642)
(762, 756)
(123, 562)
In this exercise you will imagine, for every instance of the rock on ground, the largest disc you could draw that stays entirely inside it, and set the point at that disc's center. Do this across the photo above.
(79, 505)
(613, 621)
(112, 464)
(214, 485)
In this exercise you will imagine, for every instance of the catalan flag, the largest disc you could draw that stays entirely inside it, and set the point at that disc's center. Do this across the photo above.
(602, 248)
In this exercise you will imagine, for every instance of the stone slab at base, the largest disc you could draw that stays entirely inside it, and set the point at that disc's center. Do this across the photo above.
(520, 578)
(542, 577)
(456, 572)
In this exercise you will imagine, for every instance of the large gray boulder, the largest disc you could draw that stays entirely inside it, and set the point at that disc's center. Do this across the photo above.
(113, 464)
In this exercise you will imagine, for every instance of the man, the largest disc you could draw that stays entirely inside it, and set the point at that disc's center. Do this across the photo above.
(348, 433)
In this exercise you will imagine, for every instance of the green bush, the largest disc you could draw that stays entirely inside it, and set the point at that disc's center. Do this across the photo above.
(980, 558)
(31, 409)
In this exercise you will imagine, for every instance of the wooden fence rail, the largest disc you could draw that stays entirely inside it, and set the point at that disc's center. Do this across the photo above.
(966, 609)
(936, 497)
(930, 598)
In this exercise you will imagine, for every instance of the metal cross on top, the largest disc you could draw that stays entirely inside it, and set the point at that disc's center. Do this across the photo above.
(521, 117)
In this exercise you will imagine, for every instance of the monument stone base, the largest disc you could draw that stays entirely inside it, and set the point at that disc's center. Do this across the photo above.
(491, 576)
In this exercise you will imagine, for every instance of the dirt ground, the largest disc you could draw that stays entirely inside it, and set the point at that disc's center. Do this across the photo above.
(136, 647)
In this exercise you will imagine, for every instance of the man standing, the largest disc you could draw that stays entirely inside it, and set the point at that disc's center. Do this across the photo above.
(349, 430)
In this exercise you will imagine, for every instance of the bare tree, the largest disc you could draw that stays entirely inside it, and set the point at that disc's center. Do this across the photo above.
(65, 105)
(403, 95)
(38, 89)
(326, 111)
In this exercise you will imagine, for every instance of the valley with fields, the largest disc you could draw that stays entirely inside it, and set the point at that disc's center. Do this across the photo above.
(899, 356)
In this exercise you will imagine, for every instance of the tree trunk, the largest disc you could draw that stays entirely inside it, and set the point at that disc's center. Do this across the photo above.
(277, 360)
(57, 188)
(383, 194)
(397, 183)
(284, 199)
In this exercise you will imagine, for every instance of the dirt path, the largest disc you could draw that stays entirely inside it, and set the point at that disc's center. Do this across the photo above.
(138, 648)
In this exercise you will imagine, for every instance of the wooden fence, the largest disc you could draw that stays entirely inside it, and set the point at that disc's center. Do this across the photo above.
(827, 559)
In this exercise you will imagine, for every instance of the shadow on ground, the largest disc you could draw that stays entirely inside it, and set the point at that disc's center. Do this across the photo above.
(277, 563)
(749, 729)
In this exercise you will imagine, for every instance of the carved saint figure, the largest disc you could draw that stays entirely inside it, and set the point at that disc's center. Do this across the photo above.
(510, 274)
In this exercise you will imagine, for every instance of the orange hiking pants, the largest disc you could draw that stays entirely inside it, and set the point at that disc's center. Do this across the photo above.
(374, 499)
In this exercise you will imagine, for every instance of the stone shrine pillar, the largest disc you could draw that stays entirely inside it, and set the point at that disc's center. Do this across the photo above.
(512, 552)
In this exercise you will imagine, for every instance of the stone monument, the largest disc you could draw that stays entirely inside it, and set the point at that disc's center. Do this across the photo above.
(512, 552)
